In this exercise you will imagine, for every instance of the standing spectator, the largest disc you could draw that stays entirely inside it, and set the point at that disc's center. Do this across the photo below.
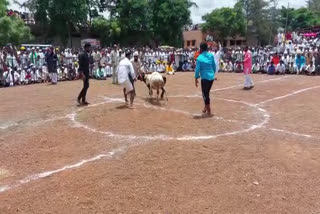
(114, 63)
(51, 60)
(136, 65)
(217, 56)
(247, 69)
(33, 56)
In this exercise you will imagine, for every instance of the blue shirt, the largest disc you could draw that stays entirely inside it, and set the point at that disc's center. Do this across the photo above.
(300, 62)
(206, 66)
(271, 69)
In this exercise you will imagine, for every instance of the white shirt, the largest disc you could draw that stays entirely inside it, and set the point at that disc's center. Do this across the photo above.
(68, 58)
(125, 69)
(281, 68)
(311, 69)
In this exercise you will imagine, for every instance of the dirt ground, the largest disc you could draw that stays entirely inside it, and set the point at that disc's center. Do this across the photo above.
(259, 154)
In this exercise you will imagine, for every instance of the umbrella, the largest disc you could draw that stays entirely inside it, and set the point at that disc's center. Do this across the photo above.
(166, 47)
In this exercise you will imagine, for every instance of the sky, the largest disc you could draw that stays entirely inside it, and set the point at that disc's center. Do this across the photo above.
(206, 6)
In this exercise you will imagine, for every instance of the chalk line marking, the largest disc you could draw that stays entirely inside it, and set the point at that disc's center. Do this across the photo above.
(188, 113)
(271, 129)
(292, 133)
(288, 95)
(72, 117)
(78, 124)
(65, 168)
(241, 85)
(6, 126)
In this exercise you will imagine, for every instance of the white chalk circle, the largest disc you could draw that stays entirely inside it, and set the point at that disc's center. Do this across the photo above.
(73, 118)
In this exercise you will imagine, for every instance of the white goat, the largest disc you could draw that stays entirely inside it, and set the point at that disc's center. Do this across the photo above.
(155, 81)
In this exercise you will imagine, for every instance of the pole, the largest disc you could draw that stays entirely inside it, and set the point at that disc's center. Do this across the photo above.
(287, 18)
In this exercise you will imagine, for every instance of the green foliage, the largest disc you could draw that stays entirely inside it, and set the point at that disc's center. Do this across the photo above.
(133, 15)
(298, 18)
(168, 19)
(314, 6)
(130, 22)
(225, 22)
(3, 7)
(257, 18)
(107, 30)
(13, 30)
(62, 16)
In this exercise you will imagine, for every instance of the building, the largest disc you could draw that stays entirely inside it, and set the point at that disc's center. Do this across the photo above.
(193, 36)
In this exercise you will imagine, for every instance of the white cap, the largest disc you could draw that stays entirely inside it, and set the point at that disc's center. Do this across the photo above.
(136, 53)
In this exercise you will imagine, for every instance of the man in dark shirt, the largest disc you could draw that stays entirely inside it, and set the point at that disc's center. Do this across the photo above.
(51, 60)
(84, 67)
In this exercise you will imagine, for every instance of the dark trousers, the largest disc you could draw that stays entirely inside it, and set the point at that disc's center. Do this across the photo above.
(83, 93)
(206, 86)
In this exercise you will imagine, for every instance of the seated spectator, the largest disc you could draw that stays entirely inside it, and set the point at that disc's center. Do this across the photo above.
(255, 68)
(271, 69)
(311, 69)
(169, 69)
(239, 67)
(185, 66)
(161, 68)
(291, 68)
(229, 67)
(100, 73)
(281, 68)
(300, 63)
(153, 67)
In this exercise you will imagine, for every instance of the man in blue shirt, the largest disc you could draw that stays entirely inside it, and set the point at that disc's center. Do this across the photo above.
(271, 69)
(300, 63)
(205, 69)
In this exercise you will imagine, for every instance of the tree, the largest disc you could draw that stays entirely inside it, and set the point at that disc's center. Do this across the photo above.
(298, 18)
(258, 23)
(168, 19)
(61, 16)
(12, 29)
(3, 7)
(130, 21)
(224, 22)
(134, 17)
(107, 30)
(314, 6)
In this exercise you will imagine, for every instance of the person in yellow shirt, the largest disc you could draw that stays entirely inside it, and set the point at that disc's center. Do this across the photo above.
(169, 69)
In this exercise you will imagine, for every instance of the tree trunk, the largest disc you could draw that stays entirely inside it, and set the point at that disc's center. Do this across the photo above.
(69, 35)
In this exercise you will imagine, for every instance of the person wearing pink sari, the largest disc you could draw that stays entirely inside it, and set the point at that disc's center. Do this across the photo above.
(247, 69)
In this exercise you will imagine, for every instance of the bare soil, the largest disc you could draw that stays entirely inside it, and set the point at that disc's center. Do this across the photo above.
(146, 165)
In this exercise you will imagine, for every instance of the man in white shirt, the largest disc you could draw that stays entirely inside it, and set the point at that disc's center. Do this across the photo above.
(311, 68)
(114, 56)
(281, 68)
(217, 56)
(68, 57)
(126, 78)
